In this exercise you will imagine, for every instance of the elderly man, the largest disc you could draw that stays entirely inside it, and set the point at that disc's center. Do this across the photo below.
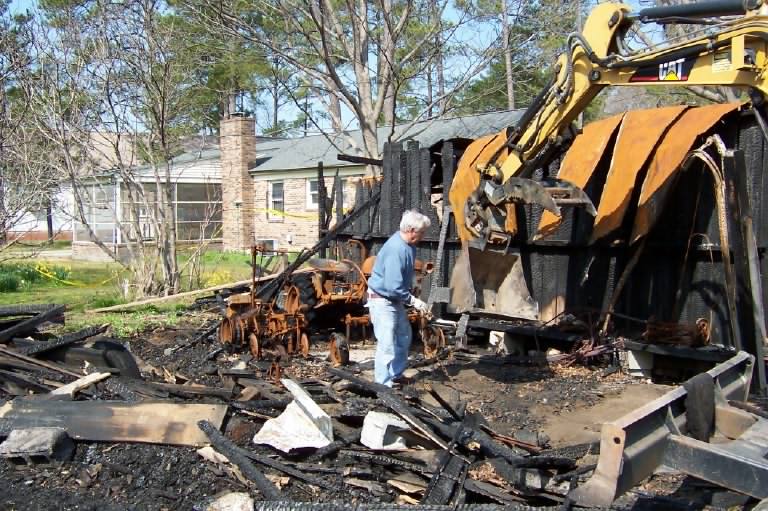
(389, 291)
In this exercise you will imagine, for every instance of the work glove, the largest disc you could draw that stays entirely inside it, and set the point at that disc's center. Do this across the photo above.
(419, 305)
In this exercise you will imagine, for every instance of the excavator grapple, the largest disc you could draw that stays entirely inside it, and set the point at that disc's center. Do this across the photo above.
(494, 174)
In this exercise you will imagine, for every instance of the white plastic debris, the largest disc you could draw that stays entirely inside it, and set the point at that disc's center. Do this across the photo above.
(380, 431)
(302, 424)
(232, 502)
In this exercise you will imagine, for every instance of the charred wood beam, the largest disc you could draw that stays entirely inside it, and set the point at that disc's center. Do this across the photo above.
(387, 461)
(285, 469)
(234, 454)
(258, 405)
(445, 404)
(345, 471)
(40, 363)
(443, 482)
(23, 381)
(394, 403)
(491, 491)
(473, 438)
(13, 363)
(328, 450)
(24, 310)
(534, 330)
(31, 323)
(65, 340)
(189, 390)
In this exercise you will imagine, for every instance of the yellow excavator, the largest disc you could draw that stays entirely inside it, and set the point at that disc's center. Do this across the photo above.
(727, 47)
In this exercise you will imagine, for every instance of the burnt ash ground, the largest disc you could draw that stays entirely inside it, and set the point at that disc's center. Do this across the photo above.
(116, 476)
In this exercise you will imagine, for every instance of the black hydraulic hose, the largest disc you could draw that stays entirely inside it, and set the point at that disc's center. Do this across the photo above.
(702, 9)
(348, 506)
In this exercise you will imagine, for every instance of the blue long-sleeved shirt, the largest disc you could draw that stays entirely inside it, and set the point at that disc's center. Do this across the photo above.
(392, 273)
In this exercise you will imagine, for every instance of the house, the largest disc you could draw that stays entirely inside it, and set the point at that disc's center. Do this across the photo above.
(253, 189)
(270, 186)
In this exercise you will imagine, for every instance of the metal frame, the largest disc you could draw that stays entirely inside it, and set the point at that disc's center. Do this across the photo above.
(632, 447)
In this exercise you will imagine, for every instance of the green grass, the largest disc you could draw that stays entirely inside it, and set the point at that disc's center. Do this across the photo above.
(84, 285)
(78, 284)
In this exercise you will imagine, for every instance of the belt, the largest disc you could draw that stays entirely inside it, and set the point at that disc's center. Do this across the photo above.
(374, 294)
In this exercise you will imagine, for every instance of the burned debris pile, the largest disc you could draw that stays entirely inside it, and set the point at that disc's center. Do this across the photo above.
(294, 428)
(180, 423)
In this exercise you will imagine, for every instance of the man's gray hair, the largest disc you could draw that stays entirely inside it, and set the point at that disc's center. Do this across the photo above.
(412, 219)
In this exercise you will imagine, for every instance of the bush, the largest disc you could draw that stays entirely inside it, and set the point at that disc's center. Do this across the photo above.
(9, 282)
(17, 276)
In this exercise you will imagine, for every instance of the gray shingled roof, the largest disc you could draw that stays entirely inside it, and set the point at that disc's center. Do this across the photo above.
(301, 153)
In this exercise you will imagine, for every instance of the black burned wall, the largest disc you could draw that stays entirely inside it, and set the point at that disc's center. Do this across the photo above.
(678, 276)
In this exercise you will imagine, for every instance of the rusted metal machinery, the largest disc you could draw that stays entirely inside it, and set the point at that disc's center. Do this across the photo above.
(275, 327)
(320, 301)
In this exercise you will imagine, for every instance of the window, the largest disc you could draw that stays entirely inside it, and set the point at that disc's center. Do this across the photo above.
(276, 201)
(198, 211)
(269, 245)
(312, 195)
(98, 206)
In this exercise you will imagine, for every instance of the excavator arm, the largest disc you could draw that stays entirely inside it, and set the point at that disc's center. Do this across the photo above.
(493, 174)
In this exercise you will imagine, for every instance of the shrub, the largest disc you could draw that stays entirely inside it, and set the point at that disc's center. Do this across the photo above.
(25, 275)
(9, 282)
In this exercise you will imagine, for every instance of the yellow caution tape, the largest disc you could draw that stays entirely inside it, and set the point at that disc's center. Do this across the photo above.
(45, 273)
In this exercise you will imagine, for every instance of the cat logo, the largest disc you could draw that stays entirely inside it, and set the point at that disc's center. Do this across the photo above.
(671, 71)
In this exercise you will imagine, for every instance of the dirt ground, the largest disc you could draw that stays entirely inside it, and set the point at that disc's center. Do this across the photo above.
(566, 404)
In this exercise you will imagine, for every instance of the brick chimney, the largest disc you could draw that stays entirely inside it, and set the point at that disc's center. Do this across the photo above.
(237, 143)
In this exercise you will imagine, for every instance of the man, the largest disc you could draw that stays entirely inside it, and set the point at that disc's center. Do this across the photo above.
(389, 291)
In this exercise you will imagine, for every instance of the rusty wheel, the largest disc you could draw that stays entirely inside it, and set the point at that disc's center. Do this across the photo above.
(433, 340)
(231, 331)
(304, 344)
(292, 300)
(339, 350)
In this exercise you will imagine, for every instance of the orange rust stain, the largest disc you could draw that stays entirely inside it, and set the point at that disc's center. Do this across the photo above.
(639, 134)
(667, 160)
(467, 177)
(580, 162)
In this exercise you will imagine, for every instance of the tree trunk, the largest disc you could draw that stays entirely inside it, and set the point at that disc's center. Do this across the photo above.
(275, 92)
(49, 220)
(507, 55)
(386, 63)
(334, 110)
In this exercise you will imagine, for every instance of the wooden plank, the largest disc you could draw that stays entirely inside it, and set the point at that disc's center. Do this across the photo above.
(186, 294)
(117, 421)
(40, 363)
(70, 389)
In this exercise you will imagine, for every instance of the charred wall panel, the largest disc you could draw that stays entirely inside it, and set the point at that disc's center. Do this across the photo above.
(564, 271)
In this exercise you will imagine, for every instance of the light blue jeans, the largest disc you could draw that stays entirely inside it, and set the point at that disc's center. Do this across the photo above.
(393, 339)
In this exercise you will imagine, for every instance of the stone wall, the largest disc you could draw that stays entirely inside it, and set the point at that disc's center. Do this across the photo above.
(238, 151)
